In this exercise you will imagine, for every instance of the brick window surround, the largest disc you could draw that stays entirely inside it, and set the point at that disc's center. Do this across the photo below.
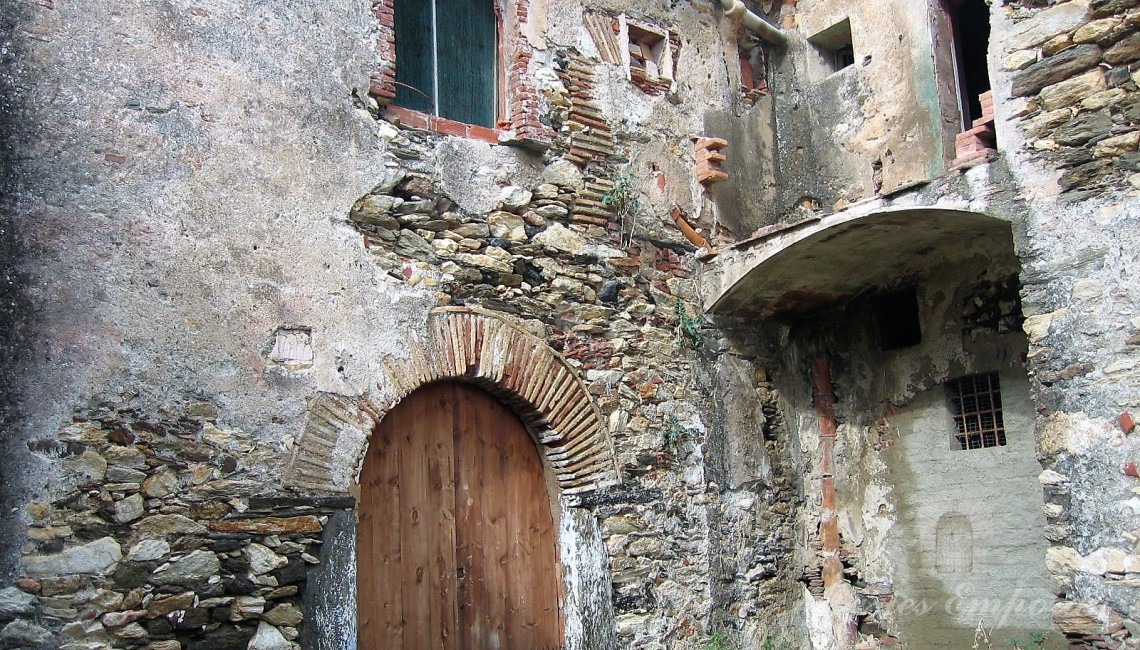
(519, 107)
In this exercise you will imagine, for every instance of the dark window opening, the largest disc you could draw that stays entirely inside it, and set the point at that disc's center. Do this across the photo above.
(971, 24)
(447, 59)
(975, 404)
(899, 325)
(834, 49)
(844, 56)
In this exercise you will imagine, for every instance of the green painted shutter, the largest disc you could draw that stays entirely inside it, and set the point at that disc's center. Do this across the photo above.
(413, 54)
(468, 60)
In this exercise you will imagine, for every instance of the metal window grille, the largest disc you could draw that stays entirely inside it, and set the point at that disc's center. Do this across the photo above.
(975, 404)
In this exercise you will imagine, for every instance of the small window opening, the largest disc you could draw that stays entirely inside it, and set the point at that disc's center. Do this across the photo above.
(899, 325)
(975, 404)
(970, 20)
(647, 53)
(834, 49)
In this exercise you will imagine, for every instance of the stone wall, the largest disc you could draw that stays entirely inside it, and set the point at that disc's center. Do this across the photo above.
(1073, 82)
(254, 231)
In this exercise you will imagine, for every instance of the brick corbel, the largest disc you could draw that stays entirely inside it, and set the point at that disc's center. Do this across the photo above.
(709, 159)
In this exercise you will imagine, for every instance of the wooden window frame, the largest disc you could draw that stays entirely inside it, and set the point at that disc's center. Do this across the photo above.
(517, 106)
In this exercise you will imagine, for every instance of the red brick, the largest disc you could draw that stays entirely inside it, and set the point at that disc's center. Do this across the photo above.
(449, 127)
(483, 133)
(1127, 422)
(408, 117)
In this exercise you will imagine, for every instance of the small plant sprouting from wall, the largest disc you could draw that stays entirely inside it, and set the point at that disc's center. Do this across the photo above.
(772, 643)
(675, 432)
(718, 641)
(1036, 641)
(625, 201)
(689, 326)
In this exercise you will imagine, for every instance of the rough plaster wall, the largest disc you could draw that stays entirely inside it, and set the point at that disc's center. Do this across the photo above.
(332, 588)
(992, 573)
(884, 395)
(183, 173)
(883, 109)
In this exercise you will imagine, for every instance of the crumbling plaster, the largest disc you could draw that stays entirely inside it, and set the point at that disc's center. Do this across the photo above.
(183, 173)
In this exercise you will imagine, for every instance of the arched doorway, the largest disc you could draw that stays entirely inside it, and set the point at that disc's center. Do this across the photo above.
(456, 544)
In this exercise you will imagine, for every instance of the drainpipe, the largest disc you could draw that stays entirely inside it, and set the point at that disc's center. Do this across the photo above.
(823, 397)
(753, 22)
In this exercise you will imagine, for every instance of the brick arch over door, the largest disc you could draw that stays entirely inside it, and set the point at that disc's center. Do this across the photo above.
(483, 348)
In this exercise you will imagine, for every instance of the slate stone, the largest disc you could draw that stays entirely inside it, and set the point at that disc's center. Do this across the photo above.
(1128, 162)
(15, 603)
(1124, 51)
(1117, 77)
(1105, 8)
(1084, 128)
(262, 560)
(158, 627)
(610, 291)
(499, 242)
(1054, 69)
(193, 618)
(192, 569)
(148, 550)
(26, 635)
(226, 637)
(389, 180)
(1071, 157)
(268, 637)
(412, 245)
(99, 556)
(131, 575)
(1080, 176)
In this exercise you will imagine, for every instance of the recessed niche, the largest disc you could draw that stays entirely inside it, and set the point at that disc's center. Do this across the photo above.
(831, 50)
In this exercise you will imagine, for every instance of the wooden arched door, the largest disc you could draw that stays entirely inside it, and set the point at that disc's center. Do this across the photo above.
(455, 542)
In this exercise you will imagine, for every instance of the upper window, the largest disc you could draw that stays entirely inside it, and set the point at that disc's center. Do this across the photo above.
(833, 50)
(975, 404)
(447, 63)
(970, 20)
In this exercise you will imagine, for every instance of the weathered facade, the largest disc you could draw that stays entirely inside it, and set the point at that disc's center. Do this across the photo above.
(821, 315)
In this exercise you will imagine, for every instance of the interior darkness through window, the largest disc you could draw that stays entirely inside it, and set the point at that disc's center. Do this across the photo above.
(971, 19)
(899, 325)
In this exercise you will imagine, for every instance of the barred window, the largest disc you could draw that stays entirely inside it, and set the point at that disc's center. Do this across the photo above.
(975, 404)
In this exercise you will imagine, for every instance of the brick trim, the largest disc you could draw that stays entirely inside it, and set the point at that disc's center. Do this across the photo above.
(419, 120)
(382, 81)
(483, 348)
(523, 107)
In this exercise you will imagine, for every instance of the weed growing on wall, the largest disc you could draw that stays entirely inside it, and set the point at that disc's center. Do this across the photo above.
(689, 326)
(718, 641)
(675, 432)
(625, 202)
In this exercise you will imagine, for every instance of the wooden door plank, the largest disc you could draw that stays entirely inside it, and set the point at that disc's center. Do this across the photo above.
(379, 604)
(470, 527)
(427, 542)
(533, 569)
